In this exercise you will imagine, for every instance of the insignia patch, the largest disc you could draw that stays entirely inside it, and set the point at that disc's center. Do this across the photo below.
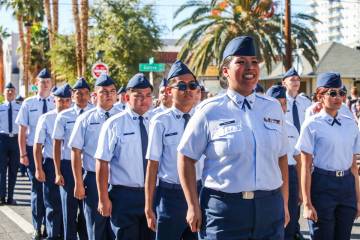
(171, 134)
(129, 133)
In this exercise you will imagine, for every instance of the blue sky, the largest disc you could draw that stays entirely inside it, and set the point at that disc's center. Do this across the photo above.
(164, 10)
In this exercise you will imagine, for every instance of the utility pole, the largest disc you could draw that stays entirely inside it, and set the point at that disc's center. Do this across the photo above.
(288, 49)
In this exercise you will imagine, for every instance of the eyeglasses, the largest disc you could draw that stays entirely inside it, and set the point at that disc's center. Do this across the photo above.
(334, 93)
(104, 92)
(183, 86)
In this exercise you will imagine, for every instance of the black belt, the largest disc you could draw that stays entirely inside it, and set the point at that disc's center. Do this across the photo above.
(341, 173)
(245, 195)
(127, 187)
(10, 135)
(89, 172)
(174, 185)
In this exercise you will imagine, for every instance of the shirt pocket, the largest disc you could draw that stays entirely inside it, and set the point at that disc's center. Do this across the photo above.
(171, 138)
(129, 138)
(274, 138)
(34, 115)
(229, 140)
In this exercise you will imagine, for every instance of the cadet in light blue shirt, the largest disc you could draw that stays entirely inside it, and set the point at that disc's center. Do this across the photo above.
(30, 111)
(64, 124)
(9, 148)
(165, 98)
(121, 102)
(121, 151)
(165, 131)
(328, 143)
(44, 163)
(243, 137)
(83, 144)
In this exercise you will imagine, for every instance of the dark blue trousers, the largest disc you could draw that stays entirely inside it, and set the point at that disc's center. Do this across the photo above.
(37, 200)
(9, 164)
(52, 201)
(228, 216)
(171, 209)
(128, 221)
(334, 199)
(98, 227)
(293, 204)
(73, 212)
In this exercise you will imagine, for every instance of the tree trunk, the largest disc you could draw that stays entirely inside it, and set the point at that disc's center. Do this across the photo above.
(75, 11)
(288, 49)
(23, 53)
(84, 33)
(2, 68)
(28, 51)
(55, 16)
(47, 11)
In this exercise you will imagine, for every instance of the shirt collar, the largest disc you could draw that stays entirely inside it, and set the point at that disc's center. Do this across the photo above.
(48, 98)
(239, 99)
(327, 118)
(135, 116)
(77, 109)
(178, 114)
(102, 112)
(7, 103)
(290, 98)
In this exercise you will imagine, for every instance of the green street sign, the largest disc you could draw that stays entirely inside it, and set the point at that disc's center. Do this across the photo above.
(154, 67)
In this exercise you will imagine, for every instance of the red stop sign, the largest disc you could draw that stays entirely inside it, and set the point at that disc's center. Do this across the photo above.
(99, 68)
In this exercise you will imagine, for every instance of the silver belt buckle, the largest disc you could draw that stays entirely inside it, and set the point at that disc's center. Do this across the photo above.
(11, 135)
(340, 173)
(248, 195)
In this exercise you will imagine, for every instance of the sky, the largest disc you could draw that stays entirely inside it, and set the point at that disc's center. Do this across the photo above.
(164, 10)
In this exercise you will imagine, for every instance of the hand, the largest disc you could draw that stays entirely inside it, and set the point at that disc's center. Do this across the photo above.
(151, 219)
(79, 191)
(287, 216)
(310, 213)
(193, 218)
(105, 207)
(24, 161)
(59, 180)
(40, 175)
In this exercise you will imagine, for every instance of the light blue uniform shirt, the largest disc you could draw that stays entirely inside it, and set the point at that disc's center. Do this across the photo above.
(165, 131)
(242, 148)
(120, 144)
(159, 109)
(343, 110)
(64, 124)
(302, 103)
(43, 133)
(4, 121)
(293, 136)
(30, 111)
(121, 106)
(332, 147)
(86, 133)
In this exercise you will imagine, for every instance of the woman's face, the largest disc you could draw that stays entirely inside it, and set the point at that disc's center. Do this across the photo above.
(332, 98)
(242, 74)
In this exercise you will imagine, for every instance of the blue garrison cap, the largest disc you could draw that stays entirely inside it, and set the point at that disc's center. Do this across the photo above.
(344, 88)
(63, 91)
(291, 72)
(139, 81)
(178, 68)
(121, 90)
(19, 98)
(259, 88)
(9, 85)
(104, 80)
(329, 80)
(44, 73)
(276, 91)
(54, 88)
(163, 83)
(240, 46)
(81, 83)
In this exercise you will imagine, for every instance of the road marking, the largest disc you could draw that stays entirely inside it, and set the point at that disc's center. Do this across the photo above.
(16, 218)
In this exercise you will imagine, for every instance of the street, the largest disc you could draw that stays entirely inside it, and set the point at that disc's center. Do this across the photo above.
(15, 221)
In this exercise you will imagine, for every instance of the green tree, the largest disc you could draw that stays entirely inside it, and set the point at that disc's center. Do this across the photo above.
(213, 25)
(3, 34)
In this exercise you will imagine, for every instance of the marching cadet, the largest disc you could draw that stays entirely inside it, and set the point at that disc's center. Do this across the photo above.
(9, 148)
(121, 150)
(30, 111)
(165, 98)
(19, 100)
(243, 137)
(328, 143)
(83, 144)
(121, 103)
(165, 131)
(279, 92)
(73, 222)
(44, 163)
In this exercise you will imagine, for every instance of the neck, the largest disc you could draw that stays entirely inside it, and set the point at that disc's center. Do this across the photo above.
(106, 108)
(82, 105)
(43, 95)
(183, 108)
(292, 93)
(242, 92)
(167, 105)
(331, 112)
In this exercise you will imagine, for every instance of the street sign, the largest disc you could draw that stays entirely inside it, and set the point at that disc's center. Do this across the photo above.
(98, 68)
(155, 67)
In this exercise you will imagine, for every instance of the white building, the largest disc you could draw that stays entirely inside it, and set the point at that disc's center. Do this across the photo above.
(340, 21)
(11, 60)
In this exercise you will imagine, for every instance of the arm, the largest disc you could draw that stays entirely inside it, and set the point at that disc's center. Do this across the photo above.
(59, 179)
(298, 172)
(354, 171)
(39, 172)
(306, 164)
(22, 145)
(150, 185)
(102, 177)
(283, 164)
(76, 165)
(187, 175)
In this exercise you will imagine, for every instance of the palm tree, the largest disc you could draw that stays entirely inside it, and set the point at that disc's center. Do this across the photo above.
(84, 17)
(75, 11)
(3, 34)
(213, 25)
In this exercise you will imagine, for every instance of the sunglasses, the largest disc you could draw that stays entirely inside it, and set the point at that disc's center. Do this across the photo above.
(334, 93)
(183, 86)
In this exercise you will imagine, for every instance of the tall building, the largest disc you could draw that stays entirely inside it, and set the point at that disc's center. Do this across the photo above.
(340, 21)
(13, 72)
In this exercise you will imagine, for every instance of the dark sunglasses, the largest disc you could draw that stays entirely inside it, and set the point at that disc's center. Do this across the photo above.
(334, 93)
(183, 86)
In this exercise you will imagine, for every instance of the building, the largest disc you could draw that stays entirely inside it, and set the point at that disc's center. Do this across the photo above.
(12, 60)
(340, 21)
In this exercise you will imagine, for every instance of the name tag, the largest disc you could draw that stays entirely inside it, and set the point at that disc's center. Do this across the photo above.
(72, 122)
(94, 123)
(227, 123)
(171, 134)
(2, 110)
(291, 136)
(228, 129)
(129, 133)
(33, 110)
(272, 120)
